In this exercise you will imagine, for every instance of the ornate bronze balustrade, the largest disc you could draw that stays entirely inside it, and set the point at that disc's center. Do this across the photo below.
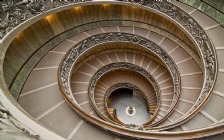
(205, 46)
(79, 49)
(120, 66)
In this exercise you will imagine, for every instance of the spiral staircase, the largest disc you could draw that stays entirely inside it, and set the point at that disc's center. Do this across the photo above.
(62, 61)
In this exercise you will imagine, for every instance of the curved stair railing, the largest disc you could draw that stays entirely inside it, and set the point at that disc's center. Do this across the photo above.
(70, 60)
(120, 66)
(183, 20)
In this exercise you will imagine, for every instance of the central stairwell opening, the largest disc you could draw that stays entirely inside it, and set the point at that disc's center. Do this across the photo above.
(130, 107)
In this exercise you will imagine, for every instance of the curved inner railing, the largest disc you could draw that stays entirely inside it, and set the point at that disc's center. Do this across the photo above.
(205, 48)
(199, 36)
(134, 88)
(72, 56)
(152, 109)
(121, 66)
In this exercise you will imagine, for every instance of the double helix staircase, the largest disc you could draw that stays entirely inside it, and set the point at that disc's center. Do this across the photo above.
(67, 89)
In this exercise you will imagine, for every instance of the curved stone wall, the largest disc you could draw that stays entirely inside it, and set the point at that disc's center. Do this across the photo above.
(21, 48)
(47, 32)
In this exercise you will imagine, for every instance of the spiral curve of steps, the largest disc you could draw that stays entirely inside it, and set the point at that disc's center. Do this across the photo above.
(46, 99)
(82, 76)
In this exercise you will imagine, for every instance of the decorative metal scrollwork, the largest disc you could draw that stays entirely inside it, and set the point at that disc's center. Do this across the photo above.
(36, 6)
(119, 66)
(13, 13)
(79, 49)
(206, 49)
(125, 85)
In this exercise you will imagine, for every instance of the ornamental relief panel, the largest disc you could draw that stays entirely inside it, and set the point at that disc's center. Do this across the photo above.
(15, 12)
